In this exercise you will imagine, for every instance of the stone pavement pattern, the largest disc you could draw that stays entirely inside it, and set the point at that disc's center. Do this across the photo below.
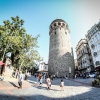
(75, 89)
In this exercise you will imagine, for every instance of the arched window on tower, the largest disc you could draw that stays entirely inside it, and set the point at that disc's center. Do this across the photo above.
(54, 24)
(63, 24)
(59, 23)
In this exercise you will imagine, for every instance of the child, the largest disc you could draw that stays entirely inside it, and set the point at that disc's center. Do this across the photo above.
(48, 81)
(40, 81)
(62, 85)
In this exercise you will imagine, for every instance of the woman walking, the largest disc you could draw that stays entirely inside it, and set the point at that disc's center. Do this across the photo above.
(48, 82)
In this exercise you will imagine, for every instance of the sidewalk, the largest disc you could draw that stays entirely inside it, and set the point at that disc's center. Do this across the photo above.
(6, 78)
(12, 83)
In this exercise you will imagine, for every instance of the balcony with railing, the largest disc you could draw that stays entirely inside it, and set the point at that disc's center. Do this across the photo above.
(97, 63)
(92, 46)
(95, 53)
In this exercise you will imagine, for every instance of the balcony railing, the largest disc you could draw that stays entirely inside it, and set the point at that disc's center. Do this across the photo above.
(97, 63)
(92, 46)
(95, 53)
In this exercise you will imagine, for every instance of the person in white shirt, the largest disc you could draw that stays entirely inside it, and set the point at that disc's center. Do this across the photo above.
(62, 85)
(48, 82)
(20, 79)
(41, 80)
(2, 77)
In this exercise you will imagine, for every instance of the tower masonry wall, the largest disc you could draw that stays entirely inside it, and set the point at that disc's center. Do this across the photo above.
(60, 50)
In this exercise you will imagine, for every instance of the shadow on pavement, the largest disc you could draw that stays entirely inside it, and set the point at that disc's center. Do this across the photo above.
(13, 84)
(32, 82)
(44, 88)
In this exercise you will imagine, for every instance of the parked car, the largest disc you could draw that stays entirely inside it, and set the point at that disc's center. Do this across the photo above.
(92, 75)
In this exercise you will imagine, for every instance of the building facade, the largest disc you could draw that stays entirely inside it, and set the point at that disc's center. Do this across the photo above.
(93, 37)
(84, 57)
(61, 59)
(43, 68)
(76, 64)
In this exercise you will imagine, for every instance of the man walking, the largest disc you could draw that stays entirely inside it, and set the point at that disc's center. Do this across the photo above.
(20, 78)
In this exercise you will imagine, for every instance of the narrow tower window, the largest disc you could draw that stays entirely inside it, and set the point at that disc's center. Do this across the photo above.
(65, 32)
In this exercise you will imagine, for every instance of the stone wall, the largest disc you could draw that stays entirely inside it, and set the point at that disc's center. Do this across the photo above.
(8, 68)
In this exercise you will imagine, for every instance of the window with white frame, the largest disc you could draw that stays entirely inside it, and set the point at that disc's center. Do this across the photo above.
(99, 46)
(97, 58)
(96, 28)
(96, 48)
(92, 40)
(96, 37)
(95, 40)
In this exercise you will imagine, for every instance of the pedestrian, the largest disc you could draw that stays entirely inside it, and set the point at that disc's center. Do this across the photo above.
(2, 76)
(54, 76)
(62, 85)
(48, 82)
(16, 73)
(75, 75)
(20, 79)
(41, 79)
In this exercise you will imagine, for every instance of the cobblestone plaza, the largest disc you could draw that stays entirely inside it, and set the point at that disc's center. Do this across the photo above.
(75, 89)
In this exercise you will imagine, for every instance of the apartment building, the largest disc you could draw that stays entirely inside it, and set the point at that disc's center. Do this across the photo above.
(93, 38)
(84, 58)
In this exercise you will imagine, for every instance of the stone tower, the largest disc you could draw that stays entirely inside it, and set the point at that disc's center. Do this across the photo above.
(61, 59)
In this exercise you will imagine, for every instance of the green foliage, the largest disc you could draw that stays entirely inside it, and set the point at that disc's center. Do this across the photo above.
(21, 45)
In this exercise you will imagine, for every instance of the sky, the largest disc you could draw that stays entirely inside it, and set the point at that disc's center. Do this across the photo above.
(80, 15)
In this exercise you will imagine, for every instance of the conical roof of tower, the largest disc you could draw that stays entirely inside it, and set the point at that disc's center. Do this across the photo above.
(58, 20)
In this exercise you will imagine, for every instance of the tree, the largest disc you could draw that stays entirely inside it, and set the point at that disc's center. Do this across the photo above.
(14, 39)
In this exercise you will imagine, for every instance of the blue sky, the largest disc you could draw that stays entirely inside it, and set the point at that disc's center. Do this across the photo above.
(80, 15)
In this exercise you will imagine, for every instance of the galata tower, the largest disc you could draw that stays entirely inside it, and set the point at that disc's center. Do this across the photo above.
(61, 59)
